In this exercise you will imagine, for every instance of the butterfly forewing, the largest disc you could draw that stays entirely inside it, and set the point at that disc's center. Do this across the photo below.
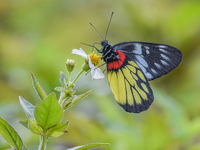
(154, 59)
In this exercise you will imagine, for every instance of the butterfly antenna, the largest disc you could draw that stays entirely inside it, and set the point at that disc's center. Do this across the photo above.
(92, 46)
(96, 30)
(109, 24)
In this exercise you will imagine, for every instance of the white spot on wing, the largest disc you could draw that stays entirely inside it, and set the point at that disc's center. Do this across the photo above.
(165, 57)
(138, 49)
(141, 60)
(142, 68)
(154, 71)
(162, 46)
(157, 65)
(147, 49)
(148, 75)
(164, 63)
(163, 50)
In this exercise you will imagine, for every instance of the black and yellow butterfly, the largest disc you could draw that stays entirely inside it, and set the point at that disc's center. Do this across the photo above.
(130, 65)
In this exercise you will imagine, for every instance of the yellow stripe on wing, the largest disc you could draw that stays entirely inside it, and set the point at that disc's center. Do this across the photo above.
(130, 87)
(122, 89)
(117, 85)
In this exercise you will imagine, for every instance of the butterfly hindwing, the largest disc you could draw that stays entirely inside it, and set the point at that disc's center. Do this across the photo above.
(130, 87)
(154, 59)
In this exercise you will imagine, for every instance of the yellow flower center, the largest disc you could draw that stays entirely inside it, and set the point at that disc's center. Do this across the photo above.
(95, 59)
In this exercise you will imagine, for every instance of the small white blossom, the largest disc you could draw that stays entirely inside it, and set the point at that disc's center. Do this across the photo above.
(79, 52)
(95, 71)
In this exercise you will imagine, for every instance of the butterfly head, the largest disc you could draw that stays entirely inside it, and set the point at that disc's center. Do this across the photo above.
(106, 47)
(104, 43)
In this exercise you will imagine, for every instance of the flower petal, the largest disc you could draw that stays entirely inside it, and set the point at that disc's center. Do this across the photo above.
(79, 52)
(98, 74)
(91, 65)
(95, 71)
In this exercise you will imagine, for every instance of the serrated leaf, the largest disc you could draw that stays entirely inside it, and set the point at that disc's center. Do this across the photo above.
(76, 99)
(58, 130)
(34, 127)
(48, 112)
(88, 146)
(38, 88)
(10, 135)
(27, 107)
(24, 123)
(63, 79)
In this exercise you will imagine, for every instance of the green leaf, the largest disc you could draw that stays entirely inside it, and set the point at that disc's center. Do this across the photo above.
(88, 146)
(24, 123)
(48, 113)
(10, 135)
(27, 107)
(58, 130)
(59, 89)
(63, 79)
(34, 127)
(38, 88)
(25, 148)
(67, 101)
(69, 104)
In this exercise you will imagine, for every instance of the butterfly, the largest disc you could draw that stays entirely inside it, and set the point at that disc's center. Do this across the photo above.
(131, 64)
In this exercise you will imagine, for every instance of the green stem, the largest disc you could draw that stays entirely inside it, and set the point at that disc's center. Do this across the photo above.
(76, 78)
(69, 78)
(43, 142)
(62, 97)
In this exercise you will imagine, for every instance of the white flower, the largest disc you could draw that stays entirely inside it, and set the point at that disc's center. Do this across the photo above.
(93, 61)
(79, 52)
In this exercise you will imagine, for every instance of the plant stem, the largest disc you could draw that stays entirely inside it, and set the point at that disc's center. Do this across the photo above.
(76, 78)
(43, 142)
(62, 97)
(69, 78)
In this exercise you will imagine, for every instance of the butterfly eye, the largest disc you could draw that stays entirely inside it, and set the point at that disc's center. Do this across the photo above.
(104, 43)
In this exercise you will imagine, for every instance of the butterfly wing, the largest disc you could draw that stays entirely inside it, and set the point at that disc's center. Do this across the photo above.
(154, 59)
(139, 62)
(129, 86)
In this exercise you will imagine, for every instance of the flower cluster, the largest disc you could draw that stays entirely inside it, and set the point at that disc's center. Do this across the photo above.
(92, 62)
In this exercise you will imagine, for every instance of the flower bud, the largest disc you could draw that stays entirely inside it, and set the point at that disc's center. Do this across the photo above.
(70, 64)
(85, 66)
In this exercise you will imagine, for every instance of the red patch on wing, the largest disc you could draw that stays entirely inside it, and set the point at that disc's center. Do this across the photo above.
(117, 64)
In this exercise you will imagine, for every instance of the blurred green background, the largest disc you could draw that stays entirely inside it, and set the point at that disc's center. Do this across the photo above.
(38, 36)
